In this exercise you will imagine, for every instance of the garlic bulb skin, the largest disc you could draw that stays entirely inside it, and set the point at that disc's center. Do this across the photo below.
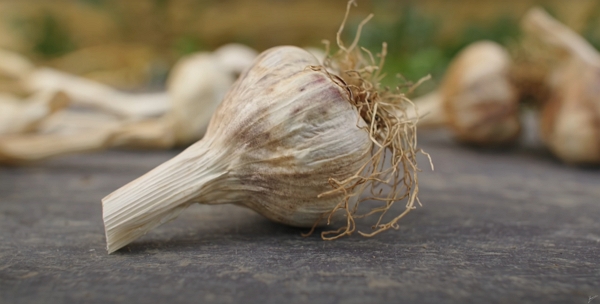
(476, 98)
(196, 86)
(279, 135)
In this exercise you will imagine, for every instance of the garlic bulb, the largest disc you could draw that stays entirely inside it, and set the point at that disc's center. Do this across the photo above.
(569, 118)
(476, 99)
(235, 57)
(197, 85)
(288, 141)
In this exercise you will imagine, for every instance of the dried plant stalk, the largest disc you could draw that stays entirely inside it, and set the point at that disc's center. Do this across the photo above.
(93, 94)
(22, 116)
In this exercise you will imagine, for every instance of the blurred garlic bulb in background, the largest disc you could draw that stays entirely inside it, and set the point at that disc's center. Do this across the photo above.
(235, 57)
(196, 86)
(179, 116)
(476, 99)
(570, 118)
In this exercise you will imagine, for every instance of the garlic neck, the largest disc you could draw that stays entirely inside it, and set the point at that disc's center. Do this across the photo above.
(430, 111)
(194, 176)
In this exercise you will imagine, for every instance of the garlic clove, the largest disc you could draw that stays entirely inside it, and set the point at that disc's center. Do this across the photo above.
(476, 98)
(569, 118)
(273, 144)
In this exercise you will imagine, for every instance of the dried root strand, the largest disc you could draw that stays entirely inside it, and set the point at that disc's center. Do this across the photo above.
(392, 165)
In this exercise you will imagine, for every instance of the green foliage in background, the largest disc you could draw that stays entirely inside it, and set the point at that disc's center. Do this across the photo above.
(53, 38)
(415, 49)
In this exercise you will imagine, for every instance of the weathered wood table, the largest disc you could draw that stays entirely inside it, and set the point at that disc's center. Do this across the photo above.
(513, 226)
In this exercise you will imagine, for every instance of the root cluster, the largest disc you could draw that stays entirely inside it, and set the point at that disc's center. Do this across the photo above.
(390, 175)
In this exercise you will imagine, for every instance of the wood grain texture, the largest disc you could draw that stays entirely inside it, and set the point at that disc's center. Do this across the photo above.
(512, 226)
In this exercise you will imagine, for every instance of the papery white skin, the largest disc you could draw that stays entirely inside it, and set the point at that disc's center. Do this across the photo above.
(570, 123)
(281, 132)
(476, 98)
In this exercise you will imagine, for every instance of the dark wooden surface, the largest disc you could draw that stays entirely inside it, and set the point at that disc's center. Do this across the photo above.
(513, 226)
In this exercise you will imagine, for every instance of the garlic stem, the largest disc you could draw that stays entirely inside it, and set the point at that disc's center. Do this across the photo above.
(20, 116)
(542, 25)
(430, 111)
(27, 148)
(14, 65)
(94, 94)
(161, 194)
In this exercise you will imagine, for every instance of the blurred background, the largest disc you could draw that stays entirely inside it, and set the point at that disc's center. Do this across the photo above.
(132, 44)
